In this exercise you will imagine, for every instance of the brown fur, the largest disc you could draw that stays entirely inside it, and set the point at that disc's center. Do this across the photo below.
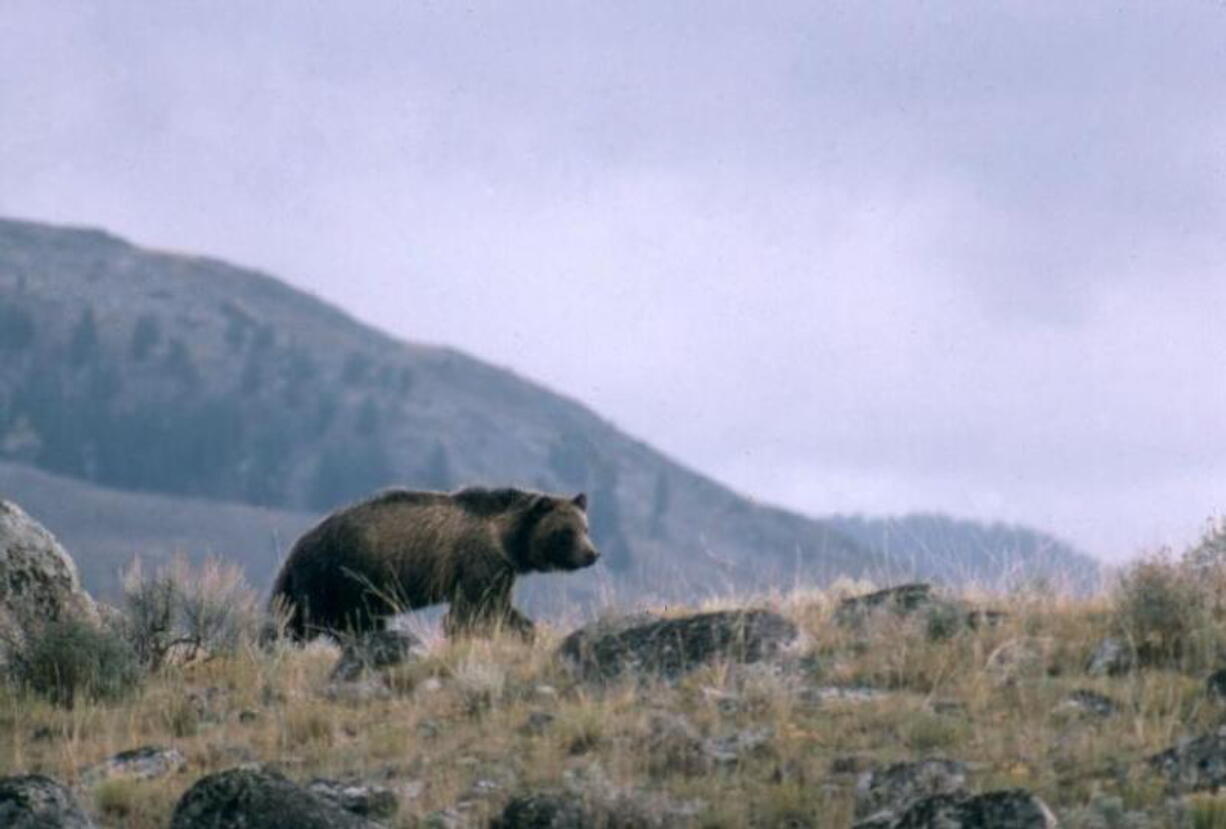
(402, 550)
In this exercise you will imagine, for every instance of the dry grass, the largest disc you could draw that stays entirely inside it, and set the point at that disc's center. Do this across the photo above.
(455, 727)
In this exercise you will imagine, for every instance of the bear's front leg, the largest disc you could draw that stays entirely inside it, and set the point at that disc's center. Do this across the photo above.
(519, 624)
(481, 609)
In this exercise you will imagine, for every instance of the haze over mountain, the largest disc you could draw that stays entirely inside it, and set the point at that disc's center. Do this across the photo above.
(146, 372)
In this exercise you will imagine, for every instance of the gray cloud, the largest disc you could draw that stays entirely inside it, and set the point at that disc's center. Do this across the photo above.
(908, 256)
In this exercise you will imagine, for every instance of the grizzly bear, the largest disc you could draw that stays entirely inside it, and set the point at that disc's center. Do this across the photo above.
(401, 550)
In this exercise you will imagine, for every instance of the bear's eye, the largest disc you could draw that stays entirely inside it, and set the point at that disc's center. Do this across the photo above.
(566, 537)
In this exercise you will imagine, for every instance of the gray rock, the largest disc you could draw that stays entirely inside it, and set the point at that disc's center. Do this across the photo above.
(375, 650)
(38, 580)
(364, 799)
(902, 599)
(545, 810)
(1091, 702)
(243, 797)
(144, 763)
(1194, 764)
(572, 810)
(670, 647)
(33, 801)
(1004, 809)
(1215, 684)
(887, 791)
(942, 617)
(1111, 657)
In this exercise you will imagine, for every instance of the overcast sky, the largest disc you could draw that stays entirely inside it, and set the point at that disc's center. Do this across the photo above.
(874, 257)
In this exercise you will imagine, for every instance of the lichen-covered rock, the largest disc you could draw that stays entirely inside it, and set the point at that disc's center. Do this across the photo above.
(1194, 764)
(902, 599)
(1111, 657)
(1004, 809)
(574, 810)
(364, 799)
(38, 580)
(33, 801)
(144, 763)
(885, 792)
(244, 798)
(940, 615)
(670, 647)
(544, 810)
(374, 650)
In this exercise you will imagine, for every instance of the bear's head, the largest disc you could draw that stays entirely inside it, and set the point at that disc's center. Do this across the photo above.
(557, 535)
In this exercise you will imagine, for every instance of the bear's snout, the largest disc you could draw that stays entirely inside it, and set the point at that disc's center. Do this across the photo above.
(588, 556)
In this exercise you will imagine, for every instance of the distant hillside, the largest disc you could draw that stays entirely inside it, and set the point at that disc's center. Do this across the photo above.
(960, 552)
(104, 528)
(182, 376)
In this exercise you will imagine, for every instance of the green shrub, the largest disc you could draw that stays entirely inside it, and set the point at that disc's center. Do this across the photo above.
(1165, 609)
(70, 659)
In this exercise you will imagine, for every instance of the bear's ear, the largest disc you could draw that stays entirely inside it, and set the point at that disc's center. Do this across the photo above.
(540, 504)
(580, 501)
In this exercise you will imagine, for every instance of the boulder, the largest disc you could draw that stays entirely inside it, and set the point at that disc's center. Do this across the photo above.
(670, 647)
(36, 802)
(885, 792)
(1195, 764)
(245, 797)
(942, 616)
(545, 810)
(1004, 809)
(556, 809)
(38, 580)
(901, 600)
(374, 650)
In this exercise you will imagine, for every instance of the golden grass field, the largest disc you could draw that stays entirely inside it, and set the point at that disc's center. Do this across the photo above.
(474, 722)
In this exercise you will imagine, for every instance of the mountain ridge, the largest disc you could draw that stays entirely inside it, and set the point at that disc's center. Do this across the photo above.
(147, 371)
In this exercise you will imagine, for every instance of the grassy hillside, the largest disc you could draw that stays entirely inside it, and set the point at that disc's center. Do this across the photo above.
(104, 528)
(469, 725)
